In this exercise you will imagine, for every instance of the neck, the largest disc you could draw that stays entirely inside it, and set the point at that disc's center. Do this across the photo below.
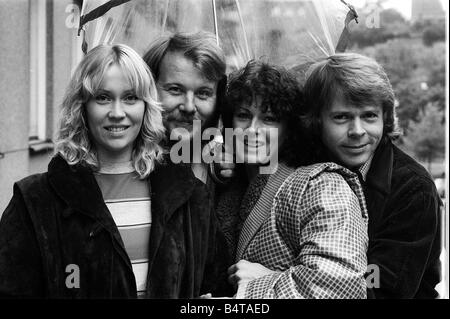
(114, 158)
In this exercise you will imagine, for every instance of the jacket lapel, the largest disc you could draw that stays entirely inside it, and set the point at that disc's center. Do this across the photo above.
(172, 186)
(261, 211)
(378, 181)
(77, 187)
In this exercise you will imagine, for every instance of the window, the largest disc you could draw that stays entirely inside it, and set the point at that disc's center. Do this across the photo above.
(38, 74)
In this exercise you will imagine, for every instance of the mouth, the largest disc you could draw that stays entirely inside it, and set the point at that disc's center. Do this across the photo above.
(116, 128)
(355, 147)
(254, 144)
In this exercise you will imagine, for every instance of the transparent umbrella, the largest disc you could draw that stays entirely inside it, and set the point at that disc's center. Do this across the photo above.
(291, 33)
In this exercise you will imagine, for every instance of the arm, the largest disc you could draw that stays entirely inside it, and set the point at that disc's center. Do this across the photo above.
(326, 231)
(406, 242)
(20, 266)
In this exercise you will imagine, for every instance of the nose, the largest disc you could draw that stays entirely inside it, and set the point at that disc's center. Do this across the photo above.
(356, 128)
(254, 125)
(116, 111)
(189, 103)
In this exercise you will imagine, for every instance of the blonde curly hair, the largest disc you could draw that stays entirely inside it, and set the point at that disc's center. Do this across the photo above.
(74, 143)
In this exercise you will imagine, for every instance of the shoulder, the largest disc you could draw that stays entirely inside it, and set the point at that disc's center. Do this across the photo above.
(326, 190)
(34, 192)
(33, 183)
(322, 179)
(408, 172)
(321, 172)
(27, 193)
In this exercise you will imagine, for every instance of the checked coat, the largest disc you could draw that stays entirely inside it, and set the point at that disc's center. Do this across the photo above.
(313, 235)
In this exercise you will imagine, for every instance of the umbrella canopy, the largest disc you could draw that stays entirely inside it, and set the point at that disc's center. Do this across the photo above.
(285, 32)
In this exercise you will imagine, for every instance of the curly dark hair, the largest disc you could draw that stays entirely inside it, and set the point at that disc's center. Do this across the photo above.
(279, 91)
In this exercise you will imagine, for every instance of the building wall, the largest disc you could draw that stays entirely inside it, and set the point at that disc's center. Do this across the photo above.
(15, 95)
(63, 51)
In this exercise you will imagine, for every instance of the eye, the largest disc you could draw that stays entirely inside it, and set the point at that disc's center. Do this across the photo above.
(242, 115)
(204, 94)
(341, 117)
(174, 90)
(271, 118)
(102, 99)
(130, 99)
(370, 116)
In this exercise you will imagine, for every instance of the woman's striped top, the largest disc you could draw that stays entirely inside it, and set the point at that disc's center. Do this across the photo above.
(128, 200)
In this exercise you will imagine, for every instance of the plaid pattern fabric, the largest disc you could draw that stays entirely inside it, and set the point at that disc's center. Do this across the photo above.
(315, 237)
(261, 210)
(364, 169)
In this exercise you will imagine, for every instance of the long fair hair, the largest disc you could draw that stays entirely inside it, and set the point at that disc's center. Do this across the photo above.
(74, 143)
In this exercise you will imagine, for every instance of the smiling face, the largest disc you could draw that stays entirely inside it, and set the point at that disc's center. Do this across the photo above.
(185, 95)
(114, 117)
(351, 133)
(264, 133)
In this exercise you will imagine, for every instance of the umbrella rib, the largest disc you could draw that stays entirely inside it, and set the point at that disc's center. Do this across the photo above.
(165, 16)
(99, 11)
(243, 28)
(216, 30)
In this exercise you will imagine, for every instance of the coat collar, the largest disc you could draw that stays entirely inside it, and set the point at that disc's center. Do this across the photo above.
(379, 175)
(77, 187)
(172, 186)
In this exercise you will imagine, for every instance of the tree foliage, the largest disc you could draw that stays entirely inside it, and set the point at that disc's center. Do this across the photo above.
(379, 26)
(426, 138)
(416, 72)
(413, 56)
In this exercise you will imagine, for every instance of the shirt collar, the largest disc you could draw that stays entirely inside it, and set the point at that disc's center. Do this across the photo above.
(200, 171)
(364, 169)
(116, 168)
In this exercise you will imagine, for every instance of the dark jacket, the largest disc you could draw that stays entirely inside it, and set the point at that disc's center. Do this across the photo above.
(59, 218)
(404, 225)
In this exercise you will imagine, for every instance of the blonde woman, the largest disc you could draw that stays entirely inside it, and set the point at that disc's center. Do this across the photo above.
(82, 229)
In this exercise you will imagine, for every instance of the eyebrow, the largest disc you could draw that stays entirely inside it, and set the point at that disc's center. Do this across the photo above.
(103, 91)
(164, 84)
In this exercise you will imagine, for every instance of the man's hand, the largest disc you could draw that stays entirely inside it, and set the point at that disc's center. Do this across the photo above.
(244, 271)
(223, 167)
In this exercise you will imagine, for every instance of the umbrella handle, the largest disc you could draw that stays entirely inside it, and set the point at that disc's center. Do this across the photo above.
(352, 14)
(345, 35)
